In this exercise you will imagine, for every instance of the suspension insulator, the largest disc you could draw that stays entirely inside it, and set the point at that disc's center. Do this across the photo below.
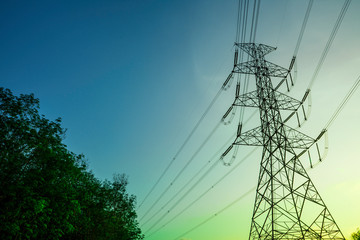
(291, 80)
(287, 85)
(310, 159)
(227, 80)
(306, 95)
(236, 57)
(301, 153)
(227, 151)
(321, 134)
(318, 151)
(280, 83)
(237, 90)
(227, 113)
(287, 119)
(305, 117)
(292, 63)
(297, 117)
(239, 129)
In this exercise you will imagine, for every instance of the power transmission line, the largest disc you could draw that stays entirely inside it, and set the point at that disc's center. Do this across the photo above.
(222, 210)
(327, 126)
(205, 192)
(303, 26)
(187, 183)
(343, 103)
(254, 23)
(196, 183)
(181, 171)
(329, 42)
(320, 66)
(217, 213)
(183, 145)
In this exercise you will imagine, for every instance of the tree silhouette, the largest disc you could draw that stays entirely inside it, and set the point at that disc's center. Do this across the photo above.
(46, 191)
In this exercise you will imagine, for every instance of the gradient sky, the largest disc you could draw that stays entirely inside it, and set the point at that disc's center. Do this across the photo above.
(131, 78)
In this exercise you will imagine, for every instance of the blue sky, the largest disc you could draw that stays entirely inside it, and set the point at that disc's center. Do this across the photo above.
(131, 78)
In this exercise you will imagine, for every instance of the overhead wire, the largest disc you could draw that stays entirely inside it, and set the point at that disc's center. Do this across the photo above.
(343, 103)
(327, 47)
(182, 197)
(256, 19)
(346, 99)
(183, 145)
(329, 42)
(336, 113)
(324, 53)
(182, 170)
(331, 120)
(195, 184)
(206, 191)
(246, 4)
(238, 21)
(303, 26)
(252, 36)
(245, 8)
(284, 12)
(223, 87)
(222, 210)
(217, 213)
(188, 182)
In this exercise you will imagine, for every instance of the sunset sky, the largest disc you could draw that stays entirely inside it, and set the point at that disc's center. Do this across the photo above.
(130, 80)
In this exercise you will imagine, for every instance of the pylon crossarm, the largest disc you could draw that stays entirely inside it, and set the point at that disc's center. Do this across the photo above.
(298, 139)
(275, 70)
(254, 49)
(251, 67)
(249, 99)
(284, 102)
(287, 103)
(252, 137)
(295, 138)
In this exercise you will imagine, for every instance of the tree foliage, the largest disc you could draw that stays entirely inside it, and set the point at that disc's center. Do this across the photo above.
(356, 235)
(46, 191)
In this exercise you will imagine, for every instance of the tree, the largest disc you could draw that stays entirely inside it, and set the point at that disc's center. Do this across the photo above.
(356, 235)
(46, 191)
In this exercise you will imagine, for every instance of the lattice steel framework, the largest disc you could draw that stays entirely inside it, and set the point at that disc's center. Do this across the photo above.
(287, 204)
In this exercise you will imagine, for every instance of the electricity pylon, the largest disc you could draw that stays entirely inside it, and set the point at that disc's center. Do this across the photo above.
(287, 204)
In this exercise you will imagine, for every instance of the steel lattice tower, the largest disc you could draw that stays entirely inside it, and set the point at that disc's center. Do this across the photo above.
(287, 204)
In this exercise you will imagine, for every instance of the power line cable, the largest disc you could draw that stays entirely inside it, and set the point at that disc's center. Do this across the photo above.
(206, 111)
(256, 21)
(327, 126)
(179, 200)
(343, 103)
(303, 26)
(182, 170)
(196, 183)
(188, 182)
(331, 120)
(217, 213)
(238, 21)
(196, 126)
(330, 41)
(223, 209)
(321, 59)
(184, 144)
(205, 192)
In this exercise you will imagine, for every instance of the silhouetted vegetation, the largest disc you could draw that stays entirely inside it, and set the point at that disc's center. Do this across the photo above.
(356, 235)
(46, 191)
